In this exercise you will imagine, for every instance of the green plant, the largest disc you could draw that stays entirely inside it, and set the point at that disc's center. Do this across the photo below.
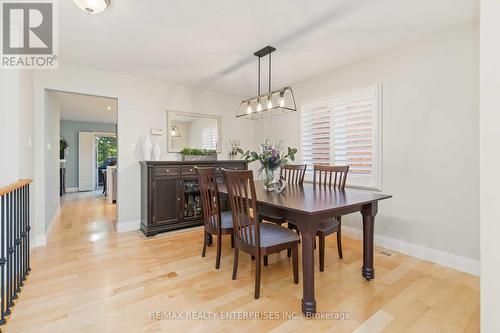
(62, 147)
(107, 147)
(271, 157)
(196, 151)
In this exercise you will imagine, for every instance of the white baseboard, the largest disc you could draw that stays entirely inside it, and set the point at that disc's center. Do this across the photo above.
(71, 189)
(127, 226)
(454, 261)
(41, 240)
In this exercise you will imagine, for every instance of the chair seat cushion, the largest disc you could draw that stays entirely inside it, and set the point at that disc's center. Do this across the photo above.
(327, 227)
(272, 234)
(226, 220)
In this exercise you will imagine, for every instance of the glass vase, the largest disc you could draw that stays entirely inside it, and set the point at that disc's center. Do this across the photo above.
(269, 177)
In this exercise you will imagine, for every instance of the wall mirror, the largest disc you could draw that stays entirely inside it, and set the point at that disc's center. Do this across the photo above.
(193, 130)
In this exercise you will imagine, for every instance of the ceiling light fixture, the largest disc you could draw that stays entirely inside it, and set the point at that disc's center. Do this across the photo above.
(92, 6)
(108, 108)
(268, 104)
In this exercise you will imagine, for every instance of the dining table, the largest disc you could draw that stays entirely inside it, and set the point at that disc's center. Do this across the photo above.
(306, 206)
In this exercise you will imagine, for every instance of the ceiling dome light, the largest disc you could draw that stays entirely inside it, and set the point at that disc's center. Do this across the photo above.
(92, 6)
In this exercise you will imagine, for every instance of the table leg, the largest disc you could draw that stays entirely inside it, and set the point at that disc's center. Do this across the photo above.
(308, 300)
(368, 211)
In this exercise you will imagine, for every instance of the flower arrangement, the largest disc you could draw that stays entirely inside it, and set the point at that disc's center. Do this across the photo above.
(271, 158)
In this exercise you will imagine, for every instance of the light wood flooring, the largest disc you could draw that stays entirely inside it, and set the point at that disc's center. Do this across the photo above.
(89, 279)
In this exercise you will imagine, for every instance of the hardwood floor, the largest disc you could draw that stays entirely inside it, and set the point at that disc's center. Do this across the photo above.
(89, 279)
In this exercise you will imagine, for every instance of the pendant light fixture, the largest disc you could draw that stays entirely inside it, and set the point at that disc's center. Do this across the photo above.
(92, 6)
(270, 103)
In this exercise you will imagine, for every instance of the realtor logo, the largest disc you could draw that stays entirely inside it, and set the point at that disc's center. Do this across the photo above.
(28, 34)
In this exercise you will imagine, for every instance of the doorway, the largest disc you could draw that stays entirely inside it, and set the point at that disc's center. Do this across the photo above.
(106, 155)
(86, 126)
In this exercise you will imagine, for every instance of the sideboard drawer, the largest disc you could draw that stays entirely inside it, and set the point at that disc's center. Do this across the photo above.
(167, 170)
(191, 170)
(235, 167)
(188, 170)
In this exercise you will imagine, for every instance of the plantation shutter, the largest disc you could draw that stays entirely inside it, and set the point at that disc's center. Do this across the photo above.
(345, 130)
(353, 137)
(86, 161)
(209, 138)
(316, 141)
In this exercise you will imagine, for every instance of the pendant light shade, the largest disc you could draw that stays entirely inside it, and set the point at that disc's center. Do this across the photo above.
(174, 132)
(280, 101)
(270, 103)
(92, 6)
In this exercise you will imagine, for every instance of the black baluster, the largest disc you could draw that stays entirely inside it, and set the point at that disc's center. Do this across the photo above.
(21, 241)
(2, 261)
(28, 229)
(25, 226)
(14, 245)
(8, 298)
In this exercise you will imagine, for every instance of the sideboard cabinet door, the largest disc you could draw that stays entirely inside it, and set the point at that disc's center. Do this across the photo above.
(166, 200)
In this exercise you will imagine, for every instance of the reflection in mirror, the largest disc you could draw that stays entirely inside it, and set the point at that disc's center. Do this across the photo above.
(192, 130)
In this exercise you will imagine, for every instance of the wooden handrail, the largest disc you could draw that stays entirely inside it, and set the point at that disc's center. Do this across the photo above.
(14, 186)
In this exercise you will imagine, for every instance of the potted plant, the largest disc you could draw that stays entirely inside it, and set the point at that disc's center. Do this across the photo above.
(271, 158)
(63, 145)
(195, 154)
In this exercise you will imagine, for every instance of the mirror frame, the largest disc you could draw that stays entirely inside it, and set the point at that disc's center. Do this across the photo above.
(171, 113)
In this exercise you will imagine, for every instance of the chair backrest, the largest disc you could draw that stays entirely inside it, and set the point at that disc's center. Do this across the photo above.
(242, 199)
(294, 173)
(209, 198)
(325, 174)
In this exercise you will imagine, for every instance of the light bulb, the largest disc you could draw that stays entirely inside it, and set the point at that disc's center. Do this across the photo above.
(259, 106)
(282, 101)
(269, 103)
(249, 109)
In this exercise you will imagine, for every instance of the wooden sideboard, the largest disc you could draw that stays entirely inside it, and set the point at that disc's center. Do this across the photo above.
(170, 197)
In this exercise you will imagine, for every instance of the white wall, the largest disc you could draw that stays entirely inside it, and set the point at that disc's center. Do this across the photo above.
(51, 143)
(430, 138)
(26, 125)
(490, 159)
(16, 134)
(142, 105)
(9, 120)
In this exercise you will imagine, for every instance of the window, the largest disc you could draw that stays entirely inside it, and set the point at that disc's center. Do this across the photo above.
(345, 130)
(209, 138)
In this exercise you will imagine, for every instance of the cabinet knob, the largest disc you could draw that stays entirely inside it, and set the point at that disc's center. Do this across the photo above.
(178, 199)
(190, 169)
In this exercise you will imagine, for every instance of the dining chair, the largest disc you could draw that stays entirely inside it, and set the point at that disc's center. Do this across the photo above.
(329, 176)
(251, 236)
(293, 174)
(215, 222)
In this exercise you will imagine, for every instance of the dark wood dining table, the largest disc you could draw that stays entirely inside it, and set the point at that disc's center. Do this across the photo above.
(307, 205)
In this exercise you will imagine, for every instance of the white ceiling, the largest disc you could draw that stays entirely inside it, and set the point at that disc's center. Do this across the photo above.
(88, 108)
(210, 44)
